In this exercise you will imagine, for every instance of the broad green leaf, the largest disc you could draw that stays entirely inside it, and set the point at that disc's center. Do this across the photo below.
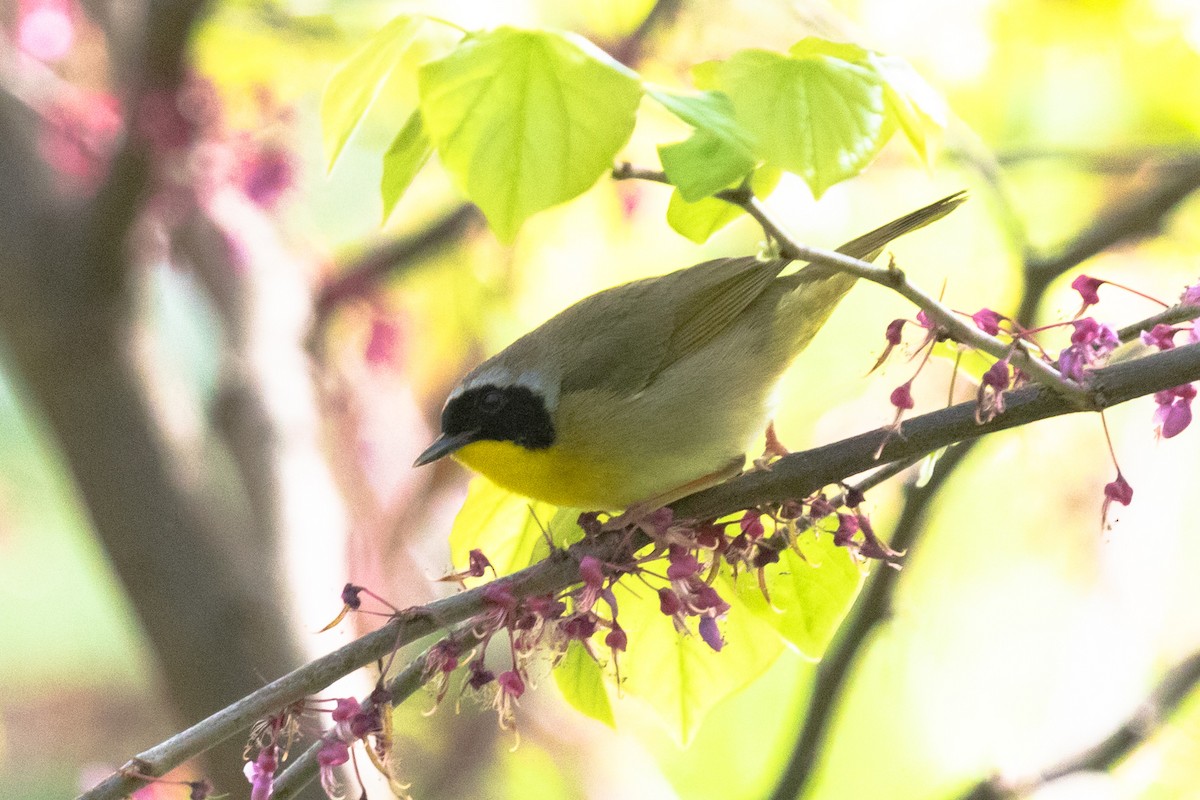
(816, 47)
(703, 164)
(718, 154)
(356, 83)
(913, 104)
(508, 528)
(706, 75)
(711, 112)
(812, 113)
(699, 220)
(564, 527)
(929, 467)
(581, 682)
(679, 676)
(505, 526)
(810, 595)
(403, 160)
(524, 120)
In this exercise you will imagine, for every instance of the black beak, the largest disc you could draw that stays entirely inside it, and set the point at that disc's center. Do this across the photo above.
(443, 446)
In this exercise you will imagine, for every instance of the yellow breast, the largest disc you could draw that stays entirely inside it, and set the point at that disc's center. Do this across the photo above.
(552, 475)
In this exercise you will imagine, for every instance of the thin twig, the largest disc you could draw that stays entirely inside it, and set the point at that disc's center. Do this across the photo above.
(892, 278)
(873, 606)
(1150, 716)
(1171, 316)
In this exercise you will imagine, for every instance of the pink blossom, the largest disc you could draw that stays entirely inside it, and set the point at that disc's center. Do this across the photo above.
(45, 29)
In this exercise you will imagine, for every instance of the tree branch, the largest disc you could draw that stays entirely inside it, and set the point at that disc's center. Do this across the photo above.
(796, 475)
(405, 683)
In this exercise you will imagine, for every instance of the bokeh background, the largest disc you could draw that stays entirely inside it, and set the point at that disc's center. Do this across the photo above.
(1024, 630)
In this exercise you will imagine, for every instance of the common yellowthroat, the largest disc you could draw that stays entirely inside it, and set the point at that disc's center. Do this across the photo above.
(647, 387)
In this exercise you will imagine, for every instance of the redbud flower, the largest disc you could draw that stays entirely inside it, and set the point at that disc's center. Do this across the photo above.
(820, 507)
(591, 571)
(333, 753)
(350, 596)
(987, 321)
(658, 521)
(500, 595)
(261, 773)
(893, 335)
(711, 634)
(709, 536)
(683, 564)
(669, 602)
(1160, 336)
(346, 708)
(989, 402)
(1174, 411)
(510, 683)
(847, 527)
(1116, 491)
(511, 687)
(751, 524)
(1191, 295)
(479, 675)
(901, 396)
(1091, 342)
(1088, 289)
(579, 627)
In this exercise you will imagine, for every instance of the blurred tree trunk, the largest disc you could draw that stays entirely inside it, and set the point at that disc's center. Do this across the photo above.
(196, 554)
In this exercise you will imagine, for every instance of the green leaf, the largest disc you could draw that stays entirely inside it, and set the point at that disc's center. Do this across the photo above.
(505, 526)
(699, 220)
(679, 676)
(524, 120)
(813, 113)
(703, 164)
(508, 528)
(581, 682)
(403, 160)
(929, 467)
(718, 154)
(711, 112)
(356, 83)
(913, 104)
(810, 595)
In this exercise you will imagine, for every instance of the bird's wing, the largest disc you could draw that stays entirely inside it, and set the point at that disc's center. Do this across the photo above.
(713, 305)
(643, 327)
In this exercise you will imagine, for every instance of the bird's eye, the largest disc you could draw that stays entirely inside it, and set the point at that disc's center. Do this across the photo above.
(492, 401)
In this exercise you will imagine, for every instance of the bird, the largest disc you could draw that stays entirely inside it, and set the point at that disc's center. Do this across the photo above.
(644, 392)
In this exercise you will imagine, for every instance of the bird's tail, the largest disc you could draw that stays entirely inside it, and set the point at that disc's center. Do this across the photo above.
(870, 245)
(817, 289)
